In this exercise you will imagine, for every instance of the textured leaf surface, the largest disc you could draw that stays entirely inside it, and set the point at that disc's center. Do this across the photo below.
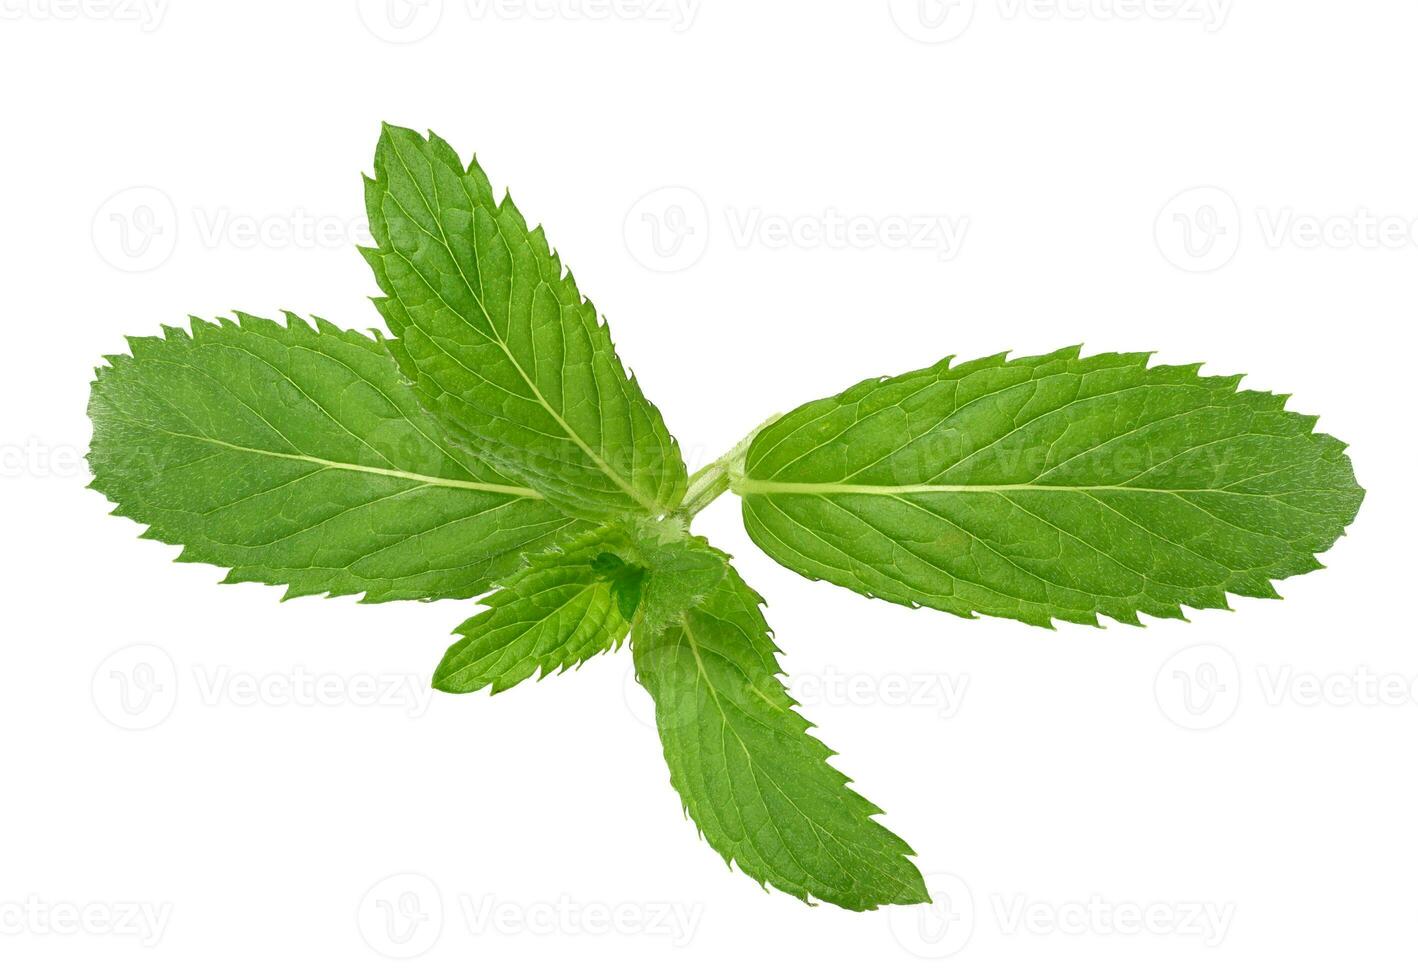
(676, 569)
(1049, 487)
(499, 343)
(679, 574)
(556, 612)
(298, 456)
(758, 786)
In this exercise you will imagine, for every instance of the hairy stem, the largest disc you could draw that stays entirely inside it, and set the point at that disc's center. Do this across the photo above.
(709, 482)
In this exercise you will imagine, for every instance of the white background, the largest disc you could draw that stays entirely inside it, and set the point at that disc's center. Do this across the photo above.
(1079, 807)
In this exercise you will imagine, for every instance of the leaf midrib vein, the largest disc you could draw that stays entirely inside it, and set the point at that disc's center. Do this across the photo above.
(334, 464)
(749, 487)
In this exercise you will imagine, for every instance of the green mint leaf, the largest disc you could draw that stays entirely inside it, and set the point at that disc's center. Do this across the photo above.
(1051, 487)
(758, 786)
(499, 343)
(298, 456)
(554, 613)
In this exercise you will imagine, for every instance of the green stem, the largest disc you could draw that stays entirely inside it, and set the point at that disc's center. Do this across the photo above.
(710, 482)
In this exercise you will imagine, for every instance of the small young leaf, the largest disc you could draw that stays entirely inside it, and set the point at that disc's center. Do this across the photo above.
(626, 580)
(758, 786)
(556, 612)
(298, 456)
(499, 343)
(1049, 487)
(659, 570)
(679, 573)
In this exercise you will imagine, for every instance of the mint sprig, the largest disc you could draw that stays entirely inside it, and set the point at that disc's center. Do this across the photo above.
(496, 442)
